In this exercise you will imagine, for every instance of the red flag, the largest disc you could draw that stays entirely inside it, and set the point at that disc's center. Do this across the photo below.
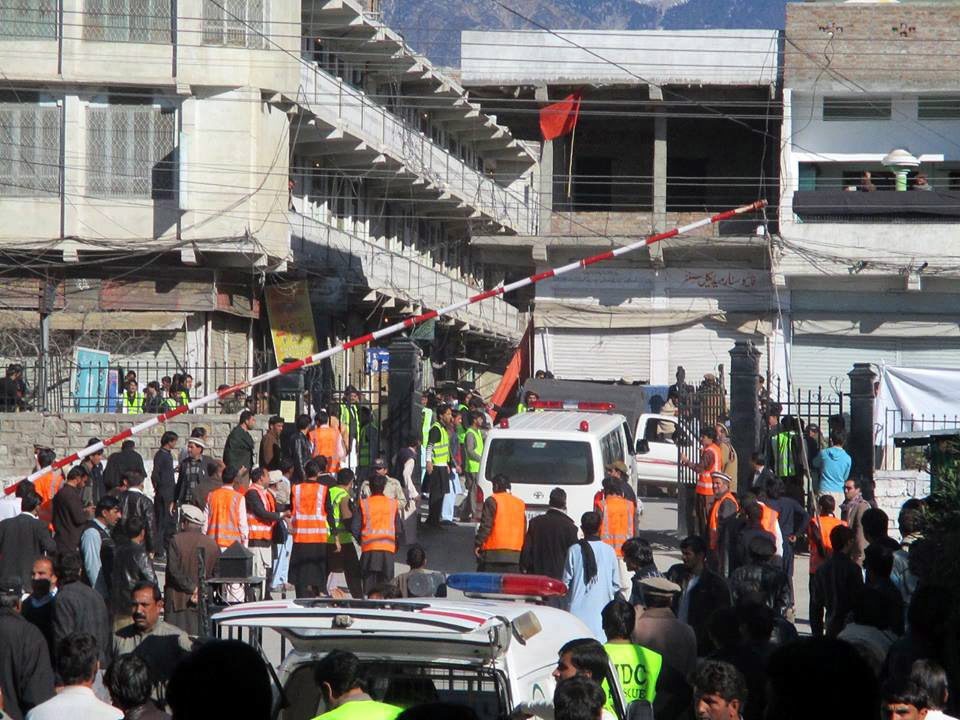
(516, 372)
(560, 118)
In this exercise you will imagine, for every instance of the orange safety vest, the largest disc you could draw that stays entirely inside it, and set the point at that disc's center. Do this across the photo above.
(509, 524)
(769, 519)
(618, 523)
(826, 523)
(261, 529)
(324, 441)
(705, 480)
(47, 485)
(713, 522)
(378, 530)
(308, 515)
(223, 507)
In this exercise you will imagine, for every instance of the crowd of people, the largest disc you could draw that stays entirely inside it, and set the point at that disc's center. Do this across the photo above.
(713, 636)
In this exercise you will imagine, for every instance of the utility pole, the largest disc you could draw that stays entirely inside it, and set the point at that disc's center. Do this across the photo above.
(45, 304)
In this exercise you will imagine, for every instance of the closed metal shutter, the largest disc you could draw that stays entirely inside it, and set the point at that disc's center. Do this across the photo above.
(823, 361)
(704, 348)
(589, 354)
(930, 352)
(819, 361)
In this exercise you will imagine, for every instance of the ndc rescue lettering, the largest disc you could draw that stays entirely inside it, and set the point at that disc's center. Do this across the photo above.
(633, 680)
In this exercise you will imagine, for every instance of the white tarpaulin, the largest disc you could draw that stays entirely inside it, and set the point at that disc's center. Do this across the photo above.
(915, 399)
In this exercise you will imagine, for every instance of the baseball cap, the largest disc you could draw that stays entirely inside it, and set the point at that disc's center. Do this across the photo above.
(618, 465)
(380, 463)
(197, 441)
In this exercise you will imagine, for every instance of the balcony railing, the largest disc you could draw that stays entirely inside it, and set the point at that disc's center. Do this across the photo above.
(912, 206)
(352, 110)
(379, 268)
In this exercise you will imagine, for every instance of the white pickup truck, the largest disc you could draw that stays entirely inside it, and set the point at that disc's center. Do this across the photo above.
(657, 445)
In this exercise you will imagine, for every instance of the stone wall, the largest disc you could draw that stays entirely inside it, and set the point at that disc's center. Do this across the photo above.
(70, 432)
(895, 487)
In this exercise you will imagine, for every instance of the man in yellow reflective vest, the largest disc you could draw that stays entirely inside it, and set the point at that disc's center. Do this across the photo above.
(438, 462)
(638, 667)
(472, 453)
(340, 677)
(529, 397)
(131, 402)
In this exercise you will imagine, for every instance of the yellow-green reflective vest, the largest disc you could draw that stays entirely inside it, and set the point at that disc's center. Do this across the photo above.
(473, 466)
(362, 710)
(441, 449)
(637, 669)
(336, 495)
(134, 406)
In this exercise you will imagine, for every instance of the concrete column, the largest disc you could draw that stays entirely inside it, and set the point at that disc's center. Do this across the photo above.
(659, 181)
(745, 420)
(860, 438)
(542, 95)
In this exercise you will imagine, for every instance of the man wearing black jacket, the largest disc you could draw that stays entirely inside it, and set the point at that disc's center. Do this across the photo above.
(69, 517)
(131, 564)
(164, 489)
(135, 504)
(549, 536)
(94, 489)
(238, 450)
(301, 451)
(703, 591)
(26, 676)
(836, 586)
(118, 463)
(79, 608)
(23, 539)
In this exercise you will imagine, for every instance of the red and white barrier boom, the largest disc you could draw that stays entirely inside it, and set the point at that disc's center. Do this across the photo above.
(392, 329)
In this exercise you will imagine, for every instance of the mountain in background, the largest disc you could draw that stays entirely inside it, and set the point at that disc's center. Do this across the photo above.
(433, 27)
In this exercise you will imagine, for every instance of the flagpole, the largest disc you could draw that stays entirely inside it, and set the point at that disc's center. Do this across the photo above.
(573, 139)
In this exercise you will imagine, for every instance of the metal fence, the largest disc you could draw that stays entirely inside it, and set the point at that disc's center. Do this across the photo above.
(703, 405)
(888, 457)
(92, 388)
(820, 408)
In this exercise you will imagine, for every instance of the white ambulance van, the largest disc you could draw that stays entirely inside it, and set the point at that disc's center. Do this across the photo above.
(566, 447)
(491, 655)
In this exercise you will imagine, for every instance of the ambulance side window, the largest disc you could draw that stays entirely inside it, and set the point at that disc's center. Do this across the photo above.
(612, 447)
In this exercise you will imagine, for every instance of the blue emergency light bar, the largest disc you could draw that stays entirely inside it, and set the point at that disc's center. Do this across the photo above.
(507, 584)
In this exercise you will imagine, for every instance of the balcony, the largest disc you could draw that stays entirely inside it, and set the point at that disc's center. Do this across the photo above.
(910, 207)
(363, 127)
(361, 261)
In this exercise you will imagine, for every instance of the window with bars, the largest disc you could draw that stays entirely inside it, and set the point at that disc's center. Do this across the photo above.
(938, 107)
(131, 151)
(144, 21)
(31, 19)
(29, 149)
(857, 108)
(235, 23)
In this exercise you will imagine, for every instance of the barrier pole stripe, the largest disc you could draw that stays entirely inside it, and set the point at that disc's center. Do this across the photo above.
(289, 367)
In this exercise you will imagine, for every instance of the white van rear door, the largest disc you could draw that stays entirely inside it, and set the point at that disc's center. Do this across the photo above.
(535, 466)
